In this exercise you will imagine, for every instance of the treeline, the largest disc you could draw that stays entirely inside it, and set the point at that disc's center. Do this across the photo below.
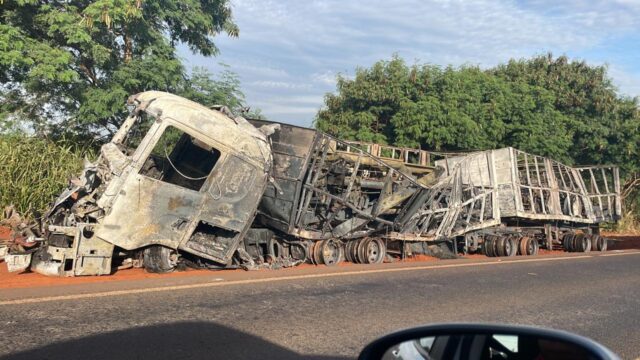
(551, 106)
(67, 67)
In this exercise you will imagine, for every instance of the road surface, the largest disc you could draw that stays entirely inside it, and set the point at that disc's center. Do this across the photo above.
(319, 313)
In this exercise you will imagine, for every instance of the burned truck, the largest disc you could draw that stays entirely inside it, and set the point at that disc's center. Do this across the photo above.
(176, 177)
(183, 184)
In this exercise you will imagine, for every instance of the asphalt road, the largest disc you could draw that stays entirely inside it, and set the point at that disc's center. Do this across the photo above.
(322, 316)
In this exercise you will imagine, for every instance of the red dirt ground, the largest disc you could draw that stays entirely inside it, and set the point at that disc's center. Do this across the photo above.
(5, 233)
(419, 258)
(29, 279)
(622, 241)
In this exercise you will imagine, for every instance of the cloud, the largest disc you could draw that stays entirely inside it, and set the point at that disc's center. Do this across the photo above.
(627, 83)
(279, 85)
(327, 77)
(290, 49)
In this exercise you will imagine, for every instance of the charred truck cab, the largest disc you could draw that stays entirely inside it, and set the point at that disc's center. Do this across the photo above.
(177, 176)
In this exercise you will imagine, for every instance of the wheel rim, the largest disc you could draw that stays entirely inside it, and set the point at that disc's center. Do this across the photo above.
(535, 247)
(587, 245)
(509, 247)
(372, 252)
(347, 252)
(500, 247)
(522, 245)
(299, 251)
(530, 247)
(317, 252)
(383, 251)
(362, 251)
(330, 250)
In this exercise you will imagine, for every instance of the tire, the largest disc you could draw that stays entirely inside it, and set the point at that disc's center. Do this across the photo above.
(580, 243)
(500, 247)
(331, 253)
(383, 251)
(347, 252)
(598, 243)
(536, 247)
(317, 252)
(604, 243)
(159, 259)
(489, 247)
(589, 243)
(523, 242)
(354, 251)
(363, 251)
(511, 246)
(567, 241)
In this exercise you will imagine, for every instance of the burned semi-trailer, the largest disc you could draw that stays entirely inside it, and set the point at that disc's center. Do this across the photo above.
(184, 184)
(505, 202)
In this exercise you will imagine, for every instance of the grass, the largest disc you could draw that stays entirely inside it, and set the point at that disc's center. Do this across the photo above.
(33, 171)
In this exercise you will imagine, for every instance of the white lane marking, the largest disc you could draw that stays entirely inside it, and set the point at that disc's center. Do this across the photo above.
(622, 253)
(271, 279)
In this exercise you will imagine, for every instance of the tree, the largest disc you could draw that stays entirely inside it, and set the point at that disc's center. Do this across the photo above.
(68, 66)
(567, 110)
(224, 89)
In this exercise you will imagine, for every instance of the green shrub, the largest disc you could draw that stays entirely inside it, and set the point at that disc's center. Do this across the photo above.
(33, 171)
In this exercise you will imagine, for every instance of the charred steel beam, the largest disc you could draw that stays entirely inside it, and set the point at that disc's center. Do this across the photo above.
(355, 209)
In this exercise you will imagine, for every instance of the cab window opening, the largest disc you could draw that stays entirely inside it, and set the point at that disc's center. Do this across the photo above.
(180, 159)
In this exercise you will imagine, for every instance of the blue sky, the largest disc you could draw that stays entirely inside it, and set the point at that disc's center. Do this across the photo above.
(289, 52)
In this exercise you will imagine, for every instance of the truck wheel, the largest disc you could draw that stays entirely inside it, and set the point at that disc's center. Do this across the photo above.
(159, 259)
(603, 244)
(531, 247)
(330, 251)
(522, 245)
(577, 238)
(353, 251)
(299, 251)
(361, 251)
(510, 246)
(376, 251)
(317, 253)
(599, 243)
(347, 252)
(567, 242)
(581, 243)
(534, 247)
(500, 247)
(489, 247)
(589, 243)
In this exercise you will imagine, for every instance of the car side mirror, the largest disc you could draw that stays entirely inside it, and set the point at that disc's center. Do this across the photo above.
(484, 341)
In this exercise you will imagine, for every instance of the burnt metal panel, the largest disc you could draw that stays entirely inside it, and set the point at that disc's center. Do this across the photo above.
(291, 147)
